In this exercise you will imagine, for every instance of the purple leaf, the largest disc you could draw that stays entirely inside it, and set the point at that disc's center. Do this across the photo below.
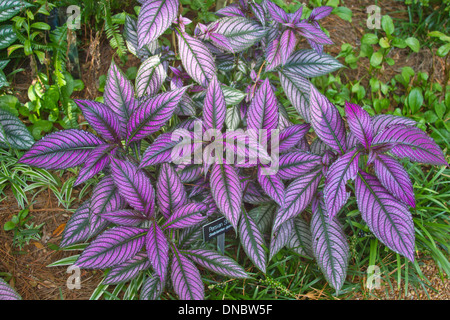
(77, 228)
(298, 195)
(319, 147)
(112, 247)
(170, 190)
(291, 136)
(410, 142)
(281, 237)
(134, 186)
(125, 217)
(342, 170)
(159, 151)
(287, 42)
(98, 160)
(128, 270)
(155, 18)
(327, 122)
(330, 246)
(263, 110)
(150, 77)
(310, 64)
(297, 163)
(214, 108)
(313, 33)
(388, 219)
(216, 262)
(259, 12)
(233, 10)
(277, 14)
(296, 88)
(102, 119)
(61, 150)
(301, 239)
(151, 288)
(8, 293)
(186, 278)
(273, 54)
(394, 178)
(119, 96)
(106, 197)
(190, 173)
(382, 121)
(152, 114)
(227, 192)
(360, 123)
(157, 250)
(320, 13)
(197, 60)
(272, 185)
(252, 241)
(187, 215)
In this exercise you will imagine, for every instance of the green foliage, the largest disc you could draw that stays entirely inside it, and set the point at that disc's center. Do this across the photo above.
(24, 232)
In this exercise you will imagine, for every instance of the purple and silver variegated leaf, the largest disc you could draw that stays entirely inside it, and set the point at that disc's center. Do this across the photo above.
(327, 122)
(13, 132)
(190, 173)
(170, 192)
(320, 13)
(298, 194)
(159, 151)
(61, 150)
(382, 121)
(243, 148)
(241, 33)
(273, 54)
(301, 239)
(291, 136)
(276, 13)
(189, 236)
(409, 142)
(319, 147)
(259, 11)
(119, 96)
(287, 43)
(152, 288)
(345, 168)
(252, 241)
(216, 262)
(214, 107)
(309, 64)
(313, 33)
(388, 219)
(125, 217)
(128, 270)
(157, 250)
(152, 114)
(134, 186)
(106, 197)
(394, 178)
(197, 60)
(187, 215)
(186, 278)
(8, 293)
(227, 192)
(296, 88)
(263, 110)
(303, 145)
(98, 160)
(102, 119)
(233, 10)
(359, 123)
(281, 237)
(150, 77)
(272, 185)
(255, 195)
(154, 19)
(112, 247)
(329, 244)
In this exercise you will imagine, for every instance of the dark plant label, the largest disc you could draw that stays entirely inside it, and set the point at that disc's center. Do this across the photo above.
(216, 228)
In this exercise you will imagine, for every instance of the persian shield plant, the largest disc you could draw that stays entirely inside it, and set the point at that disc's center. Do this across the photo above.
(212, 96)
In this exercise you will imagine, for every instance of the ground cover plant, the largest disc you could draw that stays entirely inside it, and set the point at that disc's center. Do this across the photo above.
(164, 166)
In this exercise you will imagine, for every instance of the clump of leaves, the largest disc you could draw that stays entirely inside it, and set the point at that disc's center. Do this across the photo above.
(166, 169)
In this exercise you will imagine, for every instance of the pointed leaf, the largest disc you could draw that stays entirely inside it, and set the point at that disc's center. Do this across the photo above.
(61, 150)
(128, 270)
(330, 246)
(159, 151)
(125, 217)
(112, 247)
(13, 132)
(187, 215)
(150, 77)
(186, 278)
(106, 197)
(382, 121)
(134, 186)
(327, 122)
(281, 237)
(297, 163)
(277, 14)
(157, 250)
(252, 241)
(8, 293)
(216, 262)
(394, 178)
(388, 219)
(310, 64)
(360, 123)
(214, 108)
(170, 191)
(97, 161)
(263, 110)
(287, 43)
(151, 288)
(297, 89)
(272, 185)
(301, 239)
(291, 136)
(342, 170)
